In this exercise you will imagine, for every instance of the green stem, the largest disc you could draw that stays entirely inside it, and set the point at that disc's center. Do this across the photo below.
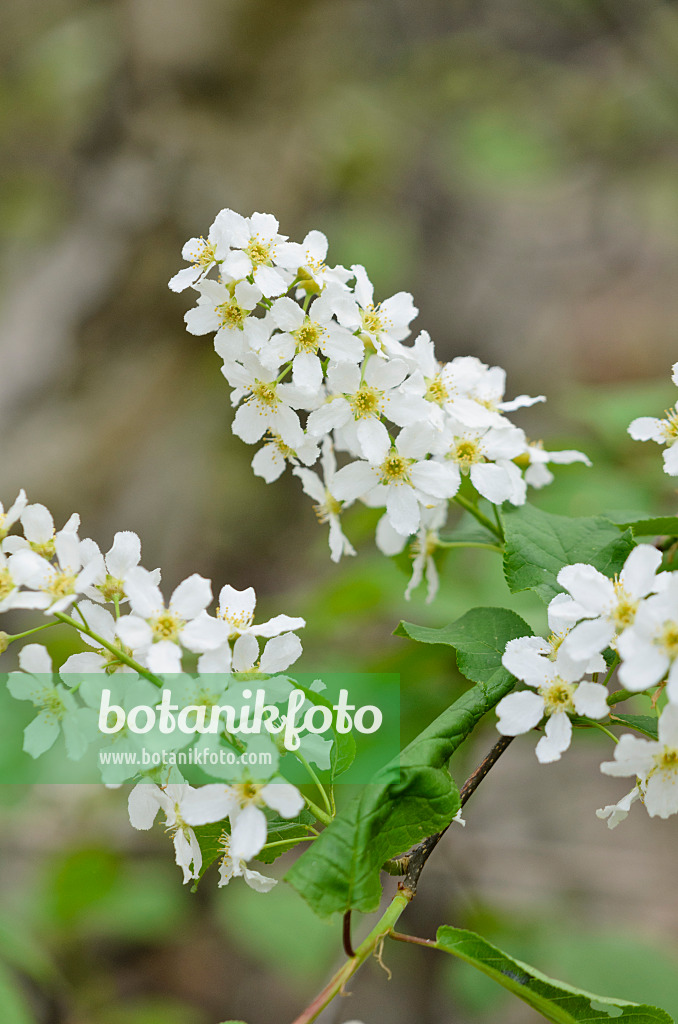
(289, 842)
(36, 629)
(611, 669)
(468, 544)
(383, 928)
(120, 654)
(318, 811)
(321, 788)
(606, 731)
(480, 516)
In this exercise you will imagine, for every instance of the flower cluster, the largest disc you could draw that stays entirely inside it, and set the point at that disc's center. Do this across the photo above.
(634, 617)
(319, 368)
(118, 610)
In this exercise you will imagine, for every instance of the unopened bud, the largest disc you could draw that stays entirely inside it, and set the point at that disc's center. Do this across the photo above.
(5, 641)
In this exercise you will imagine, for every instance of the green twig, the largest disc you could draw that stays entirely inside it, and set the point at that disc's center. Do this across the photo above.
(480, 516)
(120, 654)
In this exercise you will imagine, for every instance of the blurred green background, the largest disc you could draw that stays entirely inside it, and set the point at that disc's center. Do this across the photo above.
(514, 166)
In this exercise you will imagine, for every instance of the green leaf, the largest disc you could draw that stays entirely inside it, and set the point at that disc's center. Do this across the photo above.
(280, 829)
(411, 798)
(539, 544)
(555, 1000)
(647, 724)
(479, 638)
(645, 525)
(209, 837)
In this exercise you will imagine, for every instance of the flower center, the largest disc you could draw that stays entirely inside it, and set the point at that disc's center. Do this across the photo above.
(308, 336)
(264, 393)
(111, 661)
(167, 626)
(231, 314)
(670, 425)
(111, 588)
(436, 391)
(624, 612)
(61, 585)
(259, 252)
(47, 548)
(329, 507)
(248, 793)
(465, 451)
(51, 703)
(668, 639)
(557, 696)
(365, 402)
(206, 255)
(239, 621)
(6, 584)
(667, 761)
(394, 469)
(372, 322)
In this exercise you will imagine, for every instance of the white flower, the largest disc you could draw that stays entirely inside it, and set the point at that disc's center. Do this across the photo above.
(537, 475)
(403, 481)
(158, 632)
(243, 804)
(59, 585)
(221, 307)
(305, 335)
(477, 393)
(423, 548)
(307, 260)
(272, 458)
(254, 245)
(649, 648)
(203, 253)
(58, 709)
(39, 533)
(615, 813)
(654, 762)
(527, 647)
(559, 693)
(388, 321)
(486, 454)
(13, 513)
(361, 399)
(327, 508)
(647, 428)
(230, 868)
(113, 567)
(177, 801)
(236, 613)
(265, 407)
(608, 606)
(10, 594)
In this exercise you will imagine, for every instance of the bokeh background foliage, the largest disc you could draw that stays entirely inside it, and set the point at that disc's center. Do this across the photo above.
(514, 166)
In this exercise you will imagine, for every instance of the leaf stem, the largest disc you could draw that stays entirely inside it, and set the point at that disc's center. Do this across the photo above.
(318, 811)
(468, 544)
(36, 629)
(321, 788)
(480, 516)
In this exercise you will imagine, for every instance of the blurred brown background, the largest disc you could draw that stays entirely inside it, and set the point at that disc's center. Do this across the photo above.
(511, 164)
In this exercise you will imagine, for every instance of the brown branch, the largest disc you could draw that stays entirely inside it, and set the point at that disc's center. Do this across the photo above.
(414, 861)
(346, 935)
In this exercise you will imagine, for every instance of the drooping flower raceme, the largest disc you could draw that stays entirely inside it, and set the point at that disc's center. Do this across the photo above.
(317, 364)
